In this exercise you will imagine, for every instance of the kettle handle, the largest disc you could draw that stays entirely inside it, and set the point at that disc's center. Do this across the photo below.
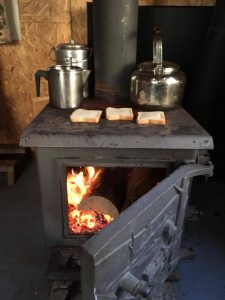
(157, 50)
(38, 75)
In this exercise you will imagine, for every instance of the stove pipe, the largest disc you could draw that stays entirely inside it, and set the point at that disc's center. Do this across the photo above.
(115, 43)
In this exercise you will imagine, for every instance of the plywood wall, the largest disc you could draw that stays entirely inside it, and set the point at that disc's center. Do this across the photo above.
(44, 23)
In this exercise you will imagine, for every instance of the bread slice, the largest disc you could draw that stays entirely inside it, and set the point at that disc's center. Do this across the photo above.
(151, 117)
(84, 115)
(122, 114)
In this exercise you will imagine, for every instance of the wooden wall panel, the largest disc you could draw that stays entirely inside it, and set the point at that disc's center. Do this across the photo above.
(44, 23)
(79, 21)
(49, 11)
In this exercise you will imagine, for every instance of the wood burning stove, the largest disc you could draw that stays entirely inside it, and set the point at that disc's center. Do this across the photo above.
(135, 253)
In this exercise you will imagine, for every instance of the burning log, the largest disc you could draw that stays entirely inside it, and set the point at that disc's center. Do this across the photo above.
(99, 204)
(80, 184)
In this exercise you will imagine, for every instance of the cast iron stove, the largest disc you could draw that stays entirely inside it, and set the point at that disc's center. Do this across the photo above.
(133, 255)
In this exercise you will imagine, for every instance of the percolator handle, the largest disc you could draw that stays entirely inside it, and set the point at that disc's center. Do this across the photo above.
(38, 75)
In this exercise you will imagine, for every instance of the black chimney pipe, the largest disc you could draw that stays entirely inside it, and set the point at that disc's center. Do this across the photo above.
(115, 44)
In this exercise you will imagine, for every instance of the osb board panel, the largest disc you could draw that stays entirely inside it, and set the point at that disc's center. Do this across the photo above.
(18, 63)
(47, 11)
(38, 103)
(79, 21)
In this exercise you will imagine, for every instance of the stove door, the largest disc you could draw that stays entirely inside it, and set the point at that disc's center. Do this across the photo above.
(135, 254)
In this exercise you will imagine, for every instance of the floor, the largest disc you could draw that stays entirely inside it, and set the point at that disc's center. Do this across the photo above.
(24, 258)
(204, 277)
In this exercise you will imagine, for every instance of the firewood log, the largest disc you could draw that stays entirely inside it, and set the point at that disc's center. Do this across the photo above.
(99, 204)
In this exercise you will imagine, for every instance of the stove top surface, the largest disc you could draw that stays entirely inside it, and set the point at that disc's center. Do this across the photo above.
(53, 128)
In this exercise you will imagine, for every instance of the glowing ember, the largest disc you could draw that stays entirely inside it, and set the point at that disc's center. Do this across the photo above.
(79, 186)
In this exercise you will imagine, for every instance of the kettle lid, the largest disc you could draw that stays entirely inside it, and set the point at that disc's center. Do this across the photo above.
(70, 46)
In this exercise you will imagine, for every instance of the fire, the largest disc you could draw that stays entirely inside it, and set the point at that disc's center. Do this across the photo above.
(79, 186)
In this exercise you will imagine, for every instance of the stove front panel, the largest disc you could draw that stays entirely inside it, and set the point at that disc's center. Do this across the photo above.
(53, 161)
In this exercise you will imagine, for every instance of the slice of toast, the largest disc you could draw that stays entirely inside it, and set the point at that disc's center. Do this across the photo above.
(86, 116)
(122, 114)
(151, 117)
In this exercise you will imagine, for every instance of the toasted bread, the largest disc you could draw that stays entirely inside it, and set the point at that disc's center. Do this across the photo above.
(86, 116)
(122, 114)
(151, 117)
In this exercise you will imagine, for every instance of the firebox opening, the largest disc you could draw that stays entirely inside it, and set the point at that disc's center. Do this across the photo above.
(97, 195)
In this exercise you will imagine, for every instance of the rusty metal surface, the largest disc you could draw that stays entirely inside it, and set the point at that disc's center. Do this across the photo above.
(53, 128)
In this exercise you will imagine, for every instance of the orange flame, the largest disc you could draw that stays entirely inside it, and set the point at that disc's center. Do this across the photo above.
(79, 186)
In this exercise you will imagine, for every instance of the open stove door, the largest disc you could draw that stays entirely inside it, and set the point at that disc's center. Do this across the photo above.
(133, 256)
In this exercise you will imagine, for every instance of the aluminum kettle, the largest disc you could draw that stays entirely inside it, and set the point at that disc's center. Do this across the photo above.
(65, 85)
(157, 84)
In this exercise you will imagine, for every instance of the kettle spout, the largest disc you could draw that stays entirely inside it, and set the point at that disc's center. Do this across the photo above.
(85, 75)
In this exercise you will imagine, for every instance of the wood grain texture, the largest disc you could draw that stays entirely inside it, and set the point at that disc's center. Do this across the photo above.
(49, 11)
(38, 103)
(19, 62)
(79, 21)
